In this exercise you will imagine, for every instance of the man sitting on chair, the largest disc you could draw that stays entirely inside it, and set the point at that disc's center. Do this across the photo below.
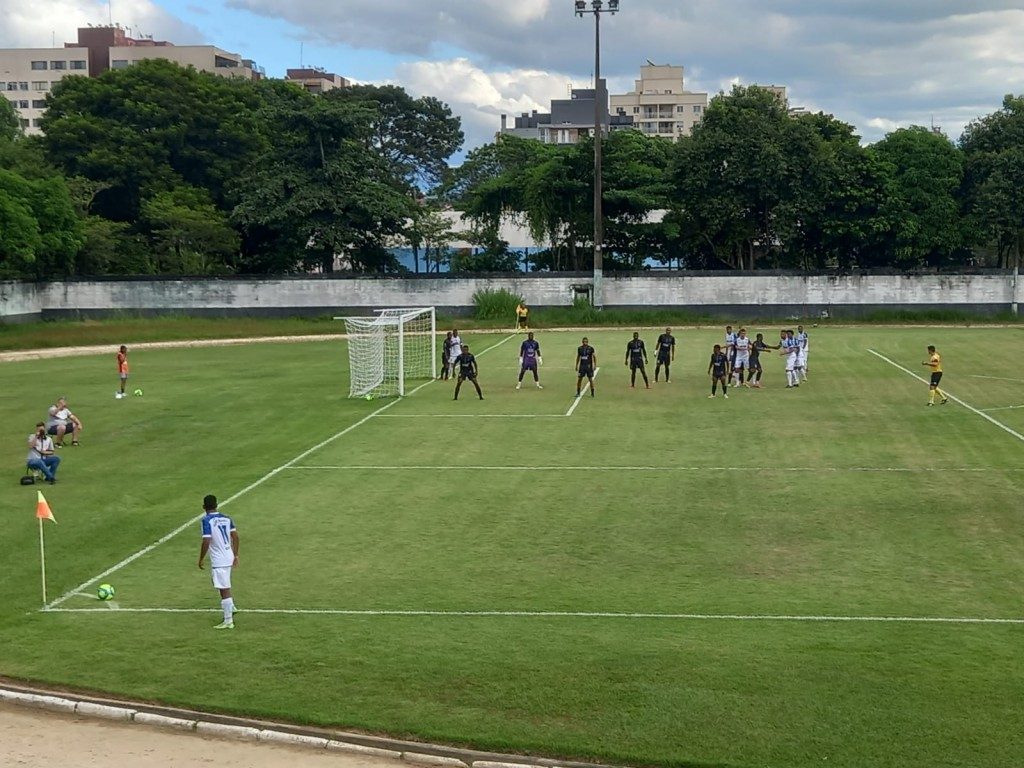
(41, 455)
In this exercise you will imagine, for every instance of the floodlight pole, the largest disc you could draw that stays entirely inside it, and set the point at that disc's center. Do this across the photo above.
(597, 7)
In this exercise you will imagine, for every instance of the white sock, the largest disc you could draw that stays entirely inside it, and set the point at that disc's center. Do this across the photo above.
(228, 606)
(789, 378)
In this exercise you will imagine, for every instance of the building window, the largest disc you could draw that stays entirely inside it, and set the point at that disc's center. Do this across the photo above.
(78, 64)
(23, 122)
(36, 123)
(23, 104)
(680, 108)
(58, 65)
(40, 85)
(22, 86)
(37, 65)
(119, 64)
(697, 109)
(38, 103)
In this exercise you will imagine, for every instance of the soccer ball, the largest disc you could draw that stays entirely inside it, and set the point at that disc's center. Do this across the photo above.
(138, 393)
(369, 396)
(105, 592)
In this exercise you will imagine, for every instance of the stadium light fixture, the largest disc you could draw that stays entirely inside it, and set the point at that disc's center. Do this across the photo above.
(597, 7)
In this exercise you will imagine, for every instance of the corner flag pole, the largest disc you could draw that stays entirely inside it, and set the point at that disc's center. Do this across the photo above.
(43, 513)
(42, 558)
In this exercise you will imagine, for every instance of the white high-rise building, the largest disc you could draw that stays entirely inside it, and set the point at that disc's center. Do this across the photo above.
(27, 75)
(659, 103)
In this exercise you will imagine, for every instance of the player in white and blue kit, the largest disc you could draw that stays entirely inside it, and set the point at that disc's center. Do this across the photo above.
(220, 540)
(790, 351)
(729, 348)
(803, 346)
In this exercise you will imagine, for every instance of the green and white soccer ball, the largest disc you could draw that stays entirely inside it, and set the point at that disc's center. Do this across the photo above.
(368, 396)
(105, 592)
(138, 393)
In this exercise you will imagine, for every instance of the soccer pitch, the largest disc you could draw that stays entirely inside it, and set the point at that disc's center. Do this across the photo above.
(827, 575)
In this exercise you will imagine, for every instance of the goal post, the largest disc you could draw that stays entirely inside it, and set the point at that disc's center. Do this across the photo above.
(390, 348)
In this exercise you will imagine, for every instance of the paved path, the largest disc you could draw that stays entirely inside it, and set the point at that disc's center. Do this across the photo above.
(38, 739)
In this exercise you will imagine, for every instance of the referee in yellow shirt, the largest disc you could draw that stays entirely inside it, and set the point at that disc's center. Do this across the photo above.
(522, 316)
(935, 363)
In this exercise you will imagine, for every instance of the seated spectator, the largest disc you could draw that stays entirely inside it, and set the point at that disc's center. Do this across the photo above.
(40, 454)
(61, 421)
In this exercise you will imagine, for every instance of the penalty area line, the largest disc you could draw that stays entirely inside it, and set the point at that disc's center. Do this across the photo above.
(583, 392)
(570, 615)
(252, 486)
(951, 396)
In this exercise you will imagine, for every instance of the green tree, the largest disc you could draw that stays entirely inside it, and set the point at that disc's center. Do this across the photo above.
(320, 193)
(925, 172)
(415, 137)
(188, 235)
(10, 126)
(150, 128)
(993, 189)
(40, 233)
(730, 178)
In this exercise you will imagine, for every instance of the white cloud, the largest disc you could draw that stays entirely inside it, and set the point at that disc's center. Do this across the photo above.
(25, 26)
(480, 97)
(860, 59)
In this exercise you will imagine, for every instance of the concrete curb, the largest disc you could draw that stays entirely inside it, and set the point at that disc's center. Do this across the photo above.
(244, 729)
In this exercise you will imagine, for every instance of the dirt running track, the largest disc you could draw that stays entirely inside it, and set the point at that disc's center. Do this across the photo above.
(32, 738)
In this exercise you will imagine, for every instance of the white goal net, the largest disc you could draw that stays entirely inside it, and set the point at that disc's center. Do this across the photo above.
(388, 350)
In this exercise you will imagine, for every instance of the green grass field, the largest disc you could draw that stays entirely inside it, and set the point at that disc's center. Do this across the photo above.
(688, 520)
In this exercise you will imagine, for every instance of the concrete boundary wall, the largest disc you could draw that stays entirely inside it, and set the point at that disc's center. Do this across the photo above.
(731, 294)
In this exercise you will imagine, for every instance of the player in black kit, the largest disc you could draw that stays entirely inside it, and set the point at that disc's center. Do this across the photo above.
(666, 350)
(636, 358)
(718, 369)
(467, 370)
(586, 364)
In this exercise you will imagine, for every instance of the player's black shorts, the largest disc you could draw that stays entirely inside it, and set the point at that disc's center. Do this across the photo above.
(664, 359)
(754, 365)
(718, 373)
(634, 364)
(936, 378)
(467, 375)
(586, 372)
(522, 322)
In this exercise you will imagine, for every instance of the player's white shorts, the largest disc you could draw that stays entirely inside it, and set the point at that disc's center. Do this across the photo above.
(790, 362)
(801, 359)
(742, 360)
(221, 578)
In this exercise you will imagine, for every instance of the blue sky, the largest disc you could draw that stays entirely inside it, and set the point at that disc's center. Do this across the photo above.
(874, 63)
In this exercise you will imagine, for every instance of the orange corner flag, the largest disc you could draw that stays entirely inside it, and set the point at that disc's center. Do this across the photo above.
(43, 509)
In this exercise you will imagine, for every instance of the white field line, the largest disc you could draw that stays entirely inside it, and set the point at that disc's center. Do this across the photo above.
(471, 416)
(995, 378)
(583, 393)
(952, 397)
(570, 615)
(167, 537)
(646, 468)
(1003, 408)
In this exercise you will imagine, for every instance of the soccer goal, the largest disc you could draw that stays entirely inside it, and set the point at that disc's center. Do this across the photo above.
(388, 349)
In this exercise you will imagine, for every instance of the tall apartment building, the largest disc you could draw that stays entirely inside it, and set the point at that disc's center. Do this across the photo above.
(316, 80)
(569, 119)
(28, 74)
(659, 103)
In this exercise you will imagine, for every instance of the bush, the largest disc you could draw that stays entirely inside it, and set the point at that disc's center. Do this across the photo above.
(495, 305)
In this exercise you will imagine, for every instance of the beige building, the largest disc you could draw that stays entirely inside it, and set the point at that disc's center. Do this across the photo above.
(659, 103)
(316, 80)
(27, 75)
